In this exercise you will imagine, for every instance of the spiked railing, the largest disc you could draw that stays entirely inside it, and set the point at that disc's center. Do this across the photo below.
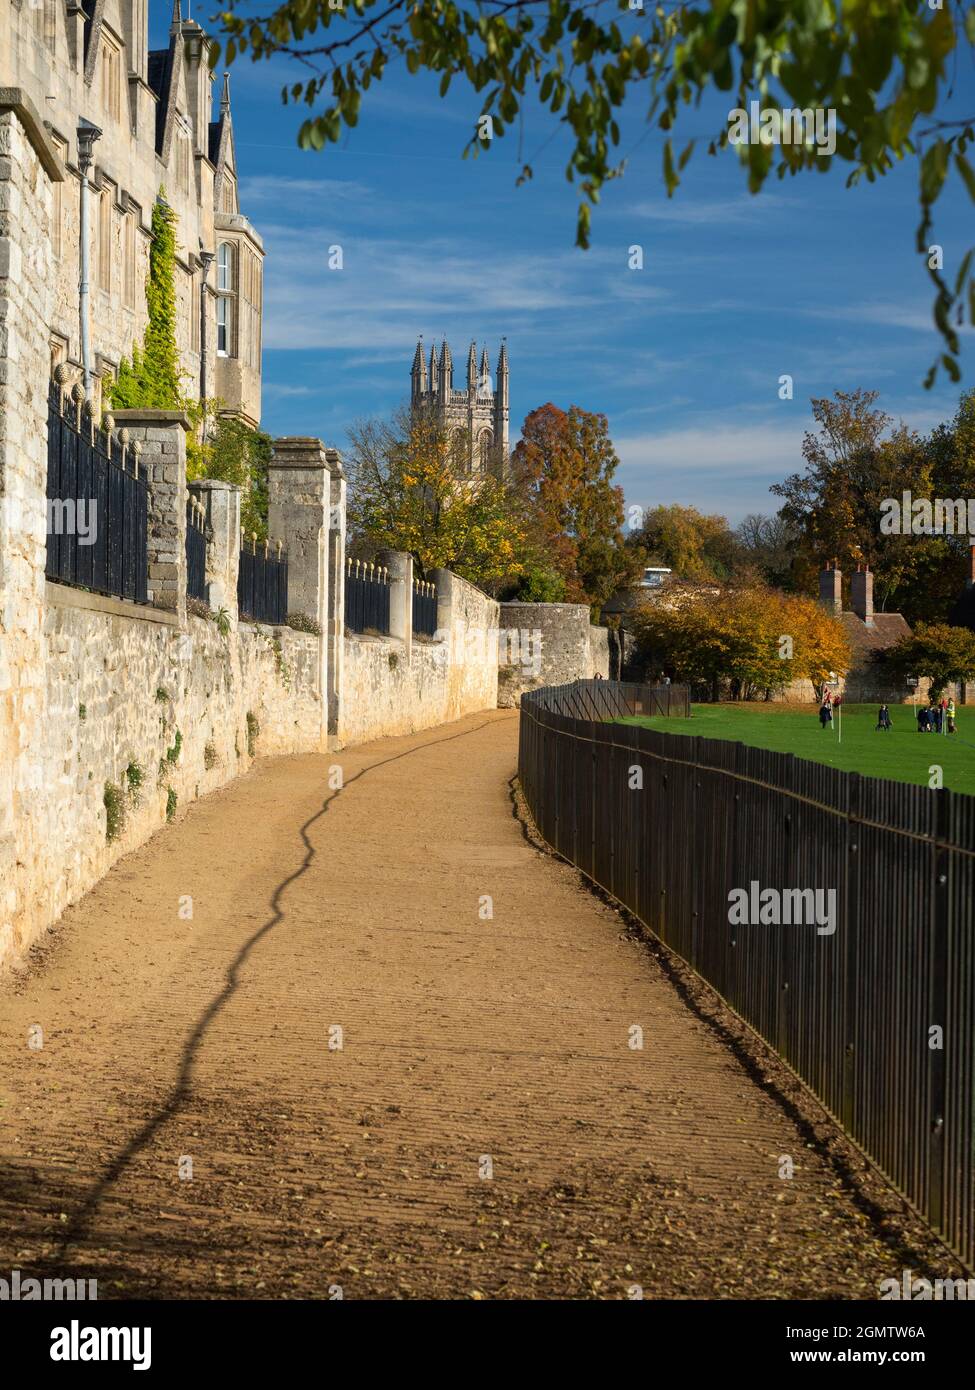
(424, 608)
(97, 499)
(262, 581)
(366, 597)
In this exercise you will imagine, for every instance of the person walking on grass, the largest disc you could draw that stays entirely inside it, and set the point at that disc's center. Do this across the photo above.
(950, 715)
(922, 720)
(935, 717)
(883, 718)
(825, 713)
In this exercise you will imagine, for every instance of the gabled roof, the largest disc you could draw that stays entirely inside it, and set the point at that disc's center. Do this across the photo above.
(867, 642)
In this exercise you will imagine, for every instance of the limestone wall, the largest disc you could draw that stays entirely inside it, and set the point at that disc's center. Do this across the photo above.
(147, 716)
(392, 685)
(555, 644)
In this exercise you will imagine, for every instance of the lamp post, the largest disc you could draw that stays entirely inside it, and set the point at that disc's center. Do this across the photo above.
(87, 134)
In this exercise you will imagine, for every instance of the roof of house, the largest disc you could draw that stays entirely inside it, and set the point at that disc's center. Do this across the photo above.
(866, 642)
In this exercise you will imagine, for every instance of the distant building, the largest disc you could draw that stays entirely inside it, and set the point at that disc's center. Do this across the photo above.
(654, 577)
(477, 415)
(869, 634)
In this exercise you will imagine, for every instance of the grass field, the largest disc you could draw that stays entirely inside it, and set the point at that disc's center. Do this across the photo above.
(902, 754)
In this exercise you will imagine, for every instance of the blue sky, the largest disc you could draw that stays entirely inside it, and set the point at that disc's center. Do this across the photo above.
(808, 278)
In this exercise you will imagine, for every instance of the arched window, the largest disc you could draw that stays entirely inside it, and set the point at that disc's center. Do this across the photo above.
(485, 444)
(226, 291)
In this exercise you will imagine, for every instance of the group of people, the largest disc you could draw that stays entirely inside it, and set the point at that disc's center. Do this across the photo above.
(934, 718)
(931, 719)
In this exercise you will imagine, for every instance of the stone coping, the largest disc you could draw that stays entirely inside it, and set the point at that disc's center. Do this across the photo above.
(15, 99)
(63, 596)
(144, 416)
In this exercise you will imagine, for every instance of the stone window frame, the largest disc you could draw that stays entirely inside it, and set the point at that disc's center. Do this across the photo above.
(110, 65)
(57, 198)
(106, 207)
(228, 261)
(130, 241)
(183, 149)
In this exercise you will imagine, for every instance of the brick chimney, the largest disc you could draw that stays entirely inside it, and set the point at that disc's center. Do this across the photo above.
(861, 594)
(831, 588)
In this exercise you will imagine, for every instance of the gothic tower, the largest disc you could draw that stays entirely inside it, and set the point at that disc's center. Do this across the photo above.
(479, 411)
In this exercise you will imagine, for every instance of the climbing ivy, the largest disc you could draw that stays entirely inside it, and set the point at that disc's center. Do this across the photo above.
(153, 379)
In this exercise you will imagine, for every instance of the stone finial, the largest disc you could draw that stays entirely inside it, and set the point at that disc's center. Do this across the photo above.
(136, 455)
(62, 374)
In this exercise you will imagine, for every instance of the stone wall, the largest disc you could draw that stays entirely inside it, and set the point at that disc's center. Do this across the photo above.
(398, 685)
(140, 716)
(549, 644)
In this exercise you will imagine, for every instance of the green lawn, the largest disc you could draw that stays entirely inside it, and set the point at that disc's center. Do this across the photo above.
(902, 754)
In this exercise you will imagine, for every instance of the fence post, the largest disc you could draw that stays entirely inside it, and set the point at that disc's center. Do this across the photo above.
(222, 501)
(162, 435)
(299, 492)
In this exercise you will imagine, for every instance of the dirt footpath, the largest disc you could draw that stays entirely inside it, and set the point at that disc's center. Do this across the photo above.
(392, 1047)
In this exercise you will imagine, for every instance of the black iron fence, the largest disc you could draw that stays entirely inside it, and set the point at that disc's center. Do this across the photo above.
(97, 504)
(262, 584)
(873, 1003)
(196, 549)
(424, 607)
(366, 597)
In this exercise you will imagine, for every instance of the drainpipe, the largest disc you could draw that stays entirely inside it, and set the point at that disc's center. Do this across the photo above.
(206, 258)
(87, 135)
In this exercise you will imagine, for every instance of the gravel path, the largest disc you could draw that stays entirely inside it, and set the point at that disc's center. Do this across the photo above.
(485, 1128)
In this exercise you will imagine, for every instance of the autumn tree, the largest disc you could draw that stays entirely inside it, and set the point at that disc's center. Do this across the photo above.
(880, 70)
(936, 650)
(853, 462)
(752, 640)
(695, 546)
(563, 468)
(406, 493)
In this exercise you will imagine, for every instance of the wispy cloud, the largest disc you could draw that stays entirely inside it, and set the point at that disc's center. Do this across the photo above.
(710, 211)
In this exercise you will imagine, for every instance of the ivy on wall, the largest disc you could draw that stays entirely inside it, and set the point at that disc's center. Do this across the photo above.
(153, 379)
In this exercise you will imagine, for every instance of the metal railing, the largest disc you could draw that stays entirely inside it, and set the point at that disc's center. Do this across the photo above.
(424, 607)
(262, 583)
(97, 503)
(878, 1016)
(196, 550)
(366, 597)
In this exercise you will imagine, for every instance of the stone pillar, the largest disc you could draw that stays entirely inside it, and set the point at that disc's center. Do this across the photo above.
(222, 501)
(334, 629)
(161, 435)
(299, 494)
(400, 566)
(299, 500)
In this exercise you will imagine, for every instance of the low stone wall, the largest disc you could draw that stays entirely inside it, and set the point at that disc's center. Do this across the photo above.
(549, 644)
(396, 686)
(138, 718)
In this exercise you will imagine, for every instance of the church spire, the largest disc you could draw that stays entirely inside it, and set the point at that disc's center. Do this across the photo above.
(225, 94)
(419, 372)
(446, 368)
(177, 23)
(472, 368)
(434, 375)
(485, 382)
